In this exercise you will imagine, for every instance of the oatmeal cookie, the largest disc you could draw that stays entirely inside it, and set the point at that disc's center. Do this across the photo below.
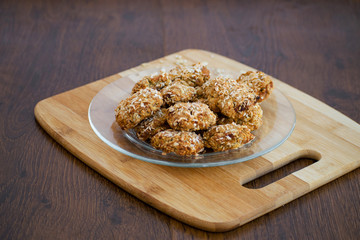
(178, 142)
(261, 84)
(226, 137)
(239, 99)
(194, 75)
(227, 96)
(155, 81)
(177, 92)
(252, 118)
(215, 89)
(190, 116)
(152, 125)
(142, 104)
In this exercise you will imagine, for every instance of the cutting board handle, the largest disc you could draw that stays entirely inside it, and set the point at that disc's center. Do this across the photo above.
(300, 182)
(325, 169)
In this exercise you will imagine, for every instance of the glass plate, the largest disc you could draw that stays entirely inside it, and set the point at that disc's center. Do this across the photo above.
(278, 123)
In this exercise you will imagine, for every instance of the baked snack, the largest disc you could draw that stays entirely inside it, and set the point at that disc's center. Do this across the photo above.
(227, 96)
(226, 137)
(215, 89)
(155, 81)
(178, 142)
(194, 75)
(237, 101)
(177, 92)
(184, 111)
(190, 116)
(139, 106)
(252, 118)
(259, 82)
(152, 125)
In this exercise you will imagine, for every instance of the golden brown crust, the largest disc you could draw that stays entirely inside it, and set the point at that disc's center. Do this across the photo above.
(177, 92)
(194, 75)
(261, 84)
(152, 125)
(215, 89)
(201, 100)
(226, 137)
(225, 95)
(222, 119)
(155, 81)
(139, 106)
(190, 116)
(199, 92)
(178, 142)
(252, 118)
(238, 100)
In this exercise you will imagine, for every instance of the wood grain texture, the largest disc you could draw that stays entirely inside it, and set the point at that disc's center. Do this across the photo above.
(48, 47)
(185, 194)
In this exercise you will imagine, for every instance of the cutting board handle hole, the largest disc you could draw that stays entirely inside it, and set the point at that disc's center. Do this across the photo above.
(304, 159)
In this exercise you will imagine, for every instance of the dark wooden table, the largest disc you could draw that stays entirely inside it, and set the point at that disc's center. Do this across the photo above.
(47, 47)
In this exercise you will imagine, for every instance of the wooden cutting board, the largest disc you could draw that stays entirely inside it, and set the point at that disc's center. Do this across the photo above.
(214, 198)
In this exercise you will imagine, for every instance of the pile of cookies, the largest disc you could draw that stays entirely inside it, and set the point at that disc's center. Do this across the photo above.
(186, 111)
